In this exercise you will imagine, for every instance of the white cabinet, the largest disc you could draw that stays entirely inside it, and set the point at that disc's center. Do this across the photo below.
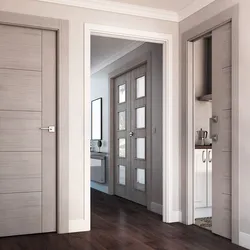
(203, 183)
(209, 177)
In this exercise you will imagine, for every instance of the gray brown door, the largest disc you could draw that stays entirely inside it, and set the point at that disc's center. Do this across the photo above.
(132, 135)
(27, 153)
(222, 108)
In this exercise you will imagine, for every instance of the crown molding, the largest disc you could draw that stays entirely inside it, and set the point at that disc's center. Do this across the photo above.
(135, 10)
(130, 47)
(122, 8)
(192, 8)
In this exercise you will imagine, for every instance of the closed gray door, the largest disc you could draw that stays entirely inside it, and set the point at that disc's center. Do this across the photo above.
(27, 153)
(132, 135)
(221, 164)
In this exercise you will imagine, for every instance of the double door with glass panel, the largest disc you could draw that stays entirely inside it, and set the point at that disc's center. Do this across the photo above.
(132, 140)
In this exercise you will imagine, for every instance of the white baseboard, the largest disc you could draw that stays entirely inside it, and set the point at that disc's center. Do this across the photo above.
(244, 240)
(156, 208)
(176, 216)
(202, 212)
(79, 226)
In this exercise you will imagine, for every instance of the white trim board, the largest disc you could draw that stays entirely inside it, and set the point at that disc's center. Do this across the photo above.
(130, 47)
(244, 240)
(136, 10)
(169, 102)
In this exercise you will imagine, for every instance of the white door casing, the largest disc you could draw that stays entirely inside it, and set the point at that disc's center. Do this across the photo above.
(169, 103)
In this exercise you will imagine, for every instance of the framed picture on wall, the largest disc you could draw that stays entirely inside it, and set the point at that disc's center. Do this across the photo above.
(96, 119)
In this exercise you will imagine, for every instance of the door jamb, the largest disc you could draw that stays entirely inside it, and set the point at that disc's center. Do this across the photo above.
(169, 147)
(230, 15)
(61, 27)
(146, 58)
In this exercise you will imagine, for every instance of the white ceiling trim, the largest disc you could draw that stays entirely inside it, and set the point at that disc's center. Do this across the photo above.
(121, 8)
(130, 47)
(192, 8)
(136, 10)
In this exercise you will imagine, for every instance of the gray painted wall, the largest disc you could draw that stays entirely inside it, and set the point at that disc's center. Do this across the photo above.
(99, 88)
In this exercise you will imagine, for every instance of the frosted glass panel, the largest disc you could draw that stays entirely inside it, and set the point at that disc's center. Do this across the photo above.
(122, 147)
(140, 117)
(140, 87)
(122, 120)
(140, 179)
(140, 148)
(122, 93)
(122, 175)
(140, 176)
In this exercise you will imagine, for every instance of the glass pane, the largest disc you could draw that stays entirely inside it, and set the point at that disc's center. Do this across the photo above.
(140, 87)
(122, 148)
(122, 93)
(140, 117)
(140, 179)
(140, 148)
(122, 120)
(122, 175)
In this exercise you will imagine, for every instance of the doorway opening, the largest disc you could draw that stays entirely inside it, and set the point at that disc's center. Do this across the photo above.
(202, 65)
(126, 137)
(167, 156)
(211, 57)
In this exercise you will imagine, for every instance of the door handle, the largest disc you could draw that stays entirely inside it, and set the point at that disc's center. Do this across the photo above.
(215, 118)
(214, 138)
(51, 129)
(209, 156)
(203, 158)
(131, 134)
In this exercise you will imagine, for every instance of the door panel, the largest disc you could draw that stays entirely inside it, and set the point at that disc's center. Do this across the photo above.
(19, 131)
(221, 175)
(139, 140)
(27, 154)
(20, 213)
(20, 48)
(132, 126)
(24, 87)
(122, 139)
(49, 139)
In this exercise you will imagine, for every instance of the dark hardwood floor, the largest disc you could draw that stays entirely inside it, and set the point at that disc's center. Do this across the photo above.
(119, 224)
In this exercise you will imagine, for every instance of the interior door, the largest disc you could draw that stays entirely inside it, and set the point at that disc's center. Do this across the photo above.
(27, 153)
(132, 135)
(222, 130)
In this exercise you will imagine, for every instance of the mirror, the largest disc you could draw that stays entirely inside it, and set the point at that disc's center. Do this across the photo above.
(96, 119)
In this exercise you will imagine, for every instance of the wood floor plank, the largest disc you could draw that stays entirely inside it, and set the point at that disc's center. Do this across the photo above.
(118, 224)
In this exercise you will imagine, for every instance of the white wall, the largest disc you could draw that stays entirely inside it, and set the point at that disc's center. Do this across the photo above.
(243, 105)
(100, 89)
(79, 210)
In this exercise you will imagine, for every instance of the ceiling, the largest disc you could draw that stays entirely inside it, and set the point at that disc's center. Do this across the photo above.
(169, 5)
(105, 50)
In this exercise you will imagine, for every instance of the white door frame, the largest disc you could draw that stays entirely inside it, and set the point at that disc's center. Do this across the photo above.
(168, 105)
(187, 47)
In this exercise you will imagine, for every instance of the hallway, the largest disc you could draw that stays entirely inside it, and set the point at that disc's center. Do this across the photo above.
(120, 224)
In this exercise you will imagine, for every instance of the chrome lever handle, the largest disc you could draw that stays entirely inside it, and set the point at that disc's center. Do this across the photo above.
(51, 129)
(131, 134)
